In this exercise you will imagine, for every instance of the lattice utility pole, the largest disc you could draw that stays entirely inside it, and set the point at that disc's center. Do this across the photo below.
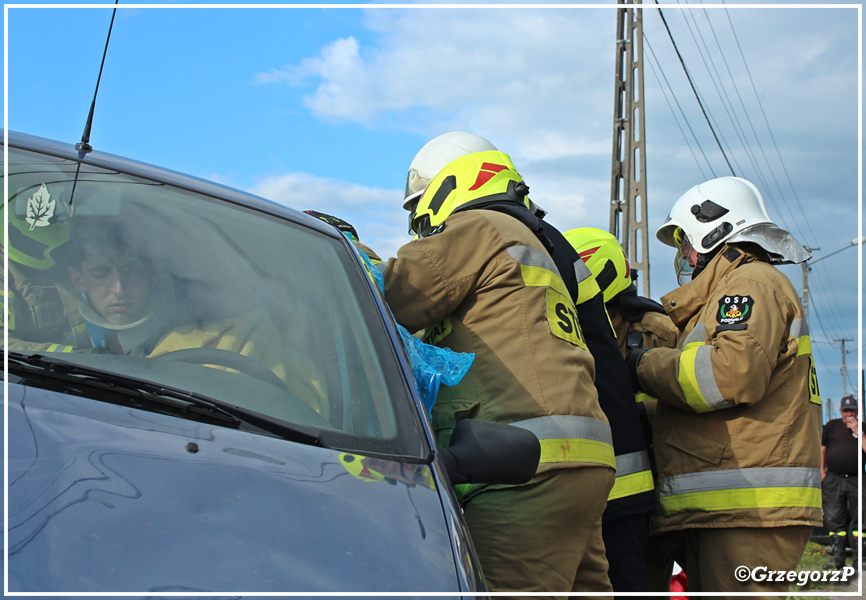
(844, 370)
(805, 299)
(628, 212)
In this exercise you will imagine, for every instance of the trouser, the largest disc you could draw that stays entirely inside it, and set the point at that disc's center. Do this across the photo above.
(544, 536)
(626, 544)
(713, 556)
(840, 504)
(664, 550)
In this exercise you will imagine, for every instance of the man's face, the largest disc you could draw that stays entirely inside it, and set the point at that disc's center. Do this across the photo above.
(688, 253)
(117, 286)
(849, 415)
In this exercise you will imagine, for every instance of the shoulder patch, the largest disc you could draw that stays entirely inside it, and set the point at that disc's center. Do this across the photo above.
(735, 309)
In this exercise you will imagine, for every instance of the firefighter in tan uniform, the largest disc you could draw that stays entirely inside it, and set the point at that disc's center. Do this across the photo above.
(738, 428)
(478, 280)
(40, 304)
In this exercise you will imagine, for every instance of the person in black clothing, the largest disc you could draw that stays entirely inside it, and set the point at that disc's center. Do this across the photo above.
(625, 522)
(840, 480)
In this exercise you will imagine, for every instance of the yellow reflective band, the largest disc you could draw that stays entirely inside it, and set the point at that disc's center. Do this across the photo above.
(743, 499)
(438, 332)
(587, 290)
(541, 277)
(640, 397)
(554, 450)
(804, 345)
(629, 485)
(688, 379)
(58, 348)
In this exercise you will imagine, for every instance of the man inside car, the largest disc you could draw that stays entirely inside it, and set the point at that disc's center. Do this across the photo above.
(131, 308)
(125, 305)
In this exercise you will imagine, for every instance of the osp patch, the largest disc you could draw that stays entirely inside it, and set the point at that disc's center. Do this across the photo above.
(735, 309)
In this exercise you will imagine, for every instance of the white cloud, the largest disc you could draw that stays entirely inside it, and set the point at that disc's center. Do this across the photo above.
(539, 84)
(508, 73)
(376, 214)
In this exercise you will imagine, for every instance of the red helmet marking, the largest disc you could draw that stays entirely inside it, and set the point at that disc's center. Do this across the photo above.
(488, 170)
(587, 253)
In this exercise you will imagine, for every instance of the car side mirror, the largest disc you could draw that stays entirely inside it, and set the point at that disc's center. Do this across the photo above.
(488, 452)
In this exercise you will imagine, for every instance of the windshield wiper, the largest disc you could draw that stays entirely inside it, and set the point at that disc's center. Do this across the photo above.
(148, 395)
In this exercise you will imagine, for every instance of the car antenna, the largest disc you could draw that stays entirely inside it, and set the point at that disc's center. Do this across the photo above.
(84, 146)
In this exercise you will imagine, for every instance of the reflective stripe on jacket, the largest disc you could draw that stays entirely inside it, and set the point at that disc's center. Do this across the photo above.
(737, 431)
(569, 438)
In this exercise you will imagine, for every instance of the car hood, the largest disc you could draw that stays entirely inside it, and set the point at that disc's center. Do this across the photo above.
(104, 498)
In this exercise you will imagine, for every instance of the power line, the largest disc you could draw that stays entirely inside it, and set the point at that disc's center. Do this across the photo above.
(828, 313)
(697, 96)
(730, 110)
(767, 123)
(676, 120)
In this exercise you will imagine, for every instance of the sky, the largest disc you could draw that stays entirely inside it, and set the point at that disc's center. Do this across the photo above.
(324, 107)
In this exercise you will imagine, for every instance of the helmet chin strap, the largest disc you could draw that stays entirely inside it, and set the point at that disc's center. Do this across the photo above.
(704, 260)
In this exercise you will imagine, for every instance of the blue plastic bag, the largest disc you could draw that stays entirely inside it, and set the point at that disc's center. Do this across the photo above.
(431, 365)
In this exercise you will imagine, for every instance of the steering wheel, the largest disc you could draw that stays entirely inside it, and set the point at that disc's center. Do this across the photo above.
(226, 358)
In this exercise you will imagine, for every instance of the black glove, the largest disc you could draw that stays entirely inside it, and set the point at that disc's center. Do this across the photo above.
(632, 359)
(335, 222)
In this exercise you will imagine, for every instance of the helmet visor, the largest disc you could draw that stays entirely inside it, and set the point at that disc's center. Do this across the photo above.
(682, 267)
(413, 210)
(421, 227)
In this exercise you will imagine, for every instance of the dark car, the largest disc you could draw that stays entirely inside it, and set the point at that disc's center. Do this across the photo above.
(206, 393)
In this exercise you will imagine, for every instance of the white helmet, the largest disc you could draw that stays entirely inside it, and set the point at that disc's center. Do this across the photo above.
(713, 211)
(433, 157)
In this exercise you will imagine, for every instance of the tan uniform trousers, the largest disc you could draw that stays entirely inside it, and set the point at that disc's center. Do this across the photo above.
(713, 556)
(544, 536)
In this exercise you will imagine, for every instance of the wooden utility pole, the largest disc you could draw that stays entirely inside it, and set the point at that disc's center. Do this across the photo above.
(628, 202)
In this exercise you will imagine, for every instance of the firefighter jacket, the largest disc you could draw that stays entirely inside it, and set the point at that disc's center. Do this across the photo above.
(484, 284)
(738, 429)
(632, 491)
(255, 335)
(43, 315)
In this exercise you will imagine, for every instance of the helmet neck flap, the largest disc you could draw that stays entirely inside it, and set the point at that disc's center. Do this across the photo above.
(725, 210)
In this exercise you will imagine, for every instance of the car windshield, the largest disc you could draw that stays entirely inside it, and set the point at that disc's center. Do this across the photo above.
(142, 279)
